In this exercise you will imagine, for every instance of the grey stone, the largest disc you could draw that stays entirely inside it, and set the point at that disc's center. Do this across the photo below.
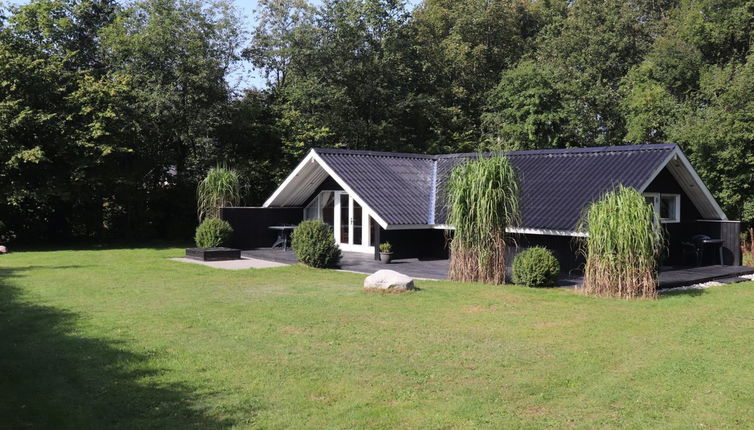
(3, 250)
(388, 281)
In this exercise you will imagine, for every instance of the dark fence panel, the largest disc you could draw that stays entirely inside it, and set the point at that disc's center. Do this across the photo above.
(678, 233)
(729, 232)
(251, 225)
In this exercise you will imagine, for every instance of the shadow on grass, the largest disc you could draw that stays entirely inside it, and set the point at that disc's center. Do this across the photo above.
(97, 246)
(52, 377)
(676, 293)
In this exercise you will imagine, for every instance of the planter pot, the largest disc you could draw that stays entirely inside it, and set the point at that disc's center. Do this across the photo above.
(386, 257)
(213, 254)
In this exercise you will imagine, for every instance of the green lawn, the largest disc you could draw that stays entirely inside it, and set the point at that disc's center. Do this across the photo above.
(126, 338)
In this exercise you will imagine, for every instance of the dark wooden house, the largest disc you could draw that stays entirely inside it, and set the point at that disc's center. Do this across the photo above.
(371, 197)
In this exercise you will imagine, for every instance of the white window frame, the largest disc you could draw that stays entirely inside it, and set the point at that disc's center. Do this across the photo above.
(657, 197)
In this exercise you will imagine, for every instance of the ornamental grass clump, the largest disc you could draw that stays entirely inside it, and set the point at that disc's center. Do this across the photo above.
(221, 187)
(623, 246)
(482, 200)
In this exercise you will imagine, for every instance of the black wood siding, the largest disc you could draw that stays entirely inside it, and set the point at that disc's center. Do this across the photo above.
(251, 225)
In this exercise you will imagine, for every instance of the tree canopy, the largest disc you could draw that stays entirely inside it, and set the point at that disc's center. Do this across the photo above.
(111, 112)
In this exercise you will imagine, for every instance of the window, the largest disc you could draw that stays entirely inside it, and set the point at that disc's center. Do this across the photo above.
(667, 206)
(321, 207)
(312, 210)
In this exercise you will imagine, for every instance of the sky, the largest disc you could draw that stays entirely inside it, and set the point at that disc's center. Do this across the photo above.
(245, 76)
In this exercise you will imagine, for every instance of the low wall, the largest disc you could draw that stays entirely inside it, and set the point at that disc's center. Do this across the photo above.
(251, 225)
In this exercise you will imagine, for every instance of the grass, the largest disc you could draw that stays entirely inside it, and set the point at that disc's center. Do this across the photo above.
(125, 338)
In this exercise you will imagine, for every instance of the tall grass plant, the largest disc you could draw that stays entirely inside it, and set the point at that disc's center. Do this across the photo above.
(482, 198)
(622, 249)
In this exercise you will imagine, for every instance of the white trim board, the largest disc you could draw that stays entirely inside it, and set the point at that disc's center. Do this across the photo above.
(301, 173)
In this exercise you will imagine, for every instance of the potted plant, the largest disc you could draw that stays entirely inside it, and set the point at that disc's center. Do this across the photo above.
(386, 252)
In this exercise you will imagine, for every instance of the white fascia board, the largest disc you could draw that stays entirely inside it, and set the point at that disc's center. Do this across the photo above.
(348, 189)
(546, 232)
(419, 227)
(288, 180)
(515, 230)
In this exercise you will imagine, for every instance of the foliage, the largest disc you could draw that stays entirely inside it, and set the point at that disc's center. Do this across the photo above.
(623, 245)
(535, 267)
(386, 247)
(213, 232)
(112, 111)
(314, 244)
(526, 110)
(220, 188)
(747, 248)
(482, 200)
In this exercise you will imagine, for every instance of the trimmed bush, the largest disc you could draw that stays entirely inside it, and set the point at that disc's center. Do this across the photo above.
(314, 244)
(213, 232)
(535, 267)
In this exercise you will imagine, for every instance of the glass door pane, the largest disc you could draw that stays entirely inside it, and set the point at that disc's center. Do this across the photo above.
(356, 220)
(344, 218)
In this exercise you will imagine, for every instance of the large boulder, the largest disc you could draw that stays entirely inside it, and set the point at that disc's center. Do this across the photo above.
(3, 250)
(388, 281)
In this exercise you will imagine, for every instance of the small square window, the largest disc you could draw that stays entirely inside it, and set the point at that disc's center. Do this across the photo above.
(666, 206)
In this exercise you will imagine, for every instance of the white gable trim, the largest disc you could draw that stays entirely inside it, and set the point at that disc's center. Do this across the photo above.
(689, 180)
(288, 180)
(313, 157)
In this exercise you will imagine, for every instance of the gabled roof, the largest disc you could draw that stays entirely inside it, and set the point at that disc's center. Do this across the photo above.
(406, 190)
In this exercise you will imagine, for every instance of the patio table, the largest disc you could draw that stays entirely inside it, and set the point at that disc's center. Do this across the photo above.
(283, 233)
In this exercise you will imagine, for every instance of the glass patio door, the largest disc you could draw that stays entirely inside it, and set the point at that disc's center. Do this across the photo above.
(350, 222)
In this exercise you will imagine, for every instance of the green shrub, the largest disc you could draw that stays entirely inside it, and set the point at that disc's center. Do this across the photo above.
(386, 247)
(314, 244)
(213, 232)
(535, 267)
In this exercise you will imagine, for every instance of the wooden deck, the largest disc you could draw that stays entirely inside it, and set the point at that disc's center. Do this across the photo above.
(680, 276)
(438, 269)
(364, 263)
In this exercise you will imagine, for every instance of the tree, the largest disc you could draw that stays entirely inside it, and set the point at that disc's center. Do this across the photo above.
(526, 110)
(104, 111)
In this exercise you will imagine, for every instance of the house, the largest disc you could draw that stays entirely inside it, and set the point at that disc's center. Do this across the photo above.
(372, 197)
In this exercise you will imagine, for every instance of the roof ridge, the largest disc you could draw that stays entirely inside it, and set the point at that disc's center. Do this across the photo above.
(554, 151)
(567, 151)
(374, 153)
